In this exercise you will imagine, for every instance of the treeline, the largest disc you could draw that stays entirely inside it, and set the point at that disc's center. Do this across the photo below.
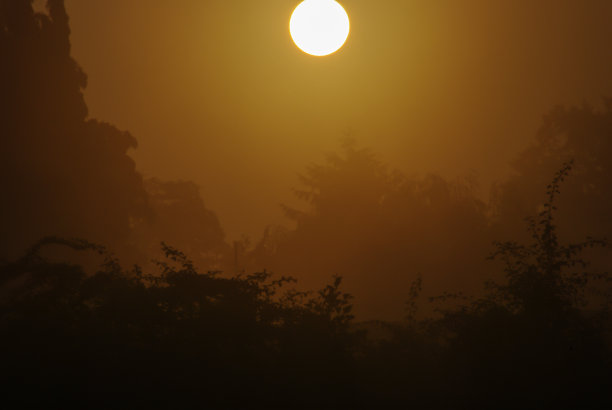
(381, 229)
(176, 337)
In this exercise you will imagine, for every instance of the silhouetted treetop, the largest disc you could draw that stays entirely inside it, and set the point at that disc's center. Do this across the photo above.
(67, 174)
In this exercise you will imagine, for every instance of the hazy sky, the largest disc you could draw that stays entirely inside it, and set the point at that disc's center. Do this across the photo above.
(216, 92)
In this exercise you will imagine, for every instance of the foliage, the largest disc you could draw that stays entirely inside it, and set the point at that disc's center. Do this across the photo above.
(532, 341)
(65, 173)
(124, 331)
(537, 274)
(230, 341)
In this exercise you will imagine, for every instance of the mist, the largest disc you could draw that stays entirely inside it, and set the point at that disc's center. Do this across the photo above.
(216, 93)
(194, 208)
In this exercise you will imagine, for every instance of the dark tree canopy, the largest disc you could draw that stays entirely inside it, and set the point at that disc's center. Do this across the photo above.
(173, 336)
(63, 173)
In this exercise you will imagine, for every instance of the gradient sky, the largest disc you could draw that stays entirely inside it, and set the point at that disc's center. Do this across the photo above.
(216, 92)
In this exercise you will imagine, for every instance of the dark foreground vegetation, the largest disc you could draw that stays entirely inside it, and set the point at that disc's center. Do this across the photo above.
(179, 338)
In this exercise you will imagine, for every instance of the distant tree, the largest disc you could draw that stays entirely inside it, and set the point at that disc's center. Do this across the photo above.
(379, 229)
(582, 134)
(530, 342)
(180, 217)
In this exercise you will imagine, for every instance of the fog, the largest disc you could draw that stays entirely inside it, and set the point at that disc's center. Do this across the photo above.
(194, 213)
(216, 92)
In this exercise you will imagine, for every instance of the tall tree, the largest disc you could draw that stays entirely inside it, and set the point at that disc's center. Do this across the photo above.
(60, 172)
(63, 173)
(380, 229)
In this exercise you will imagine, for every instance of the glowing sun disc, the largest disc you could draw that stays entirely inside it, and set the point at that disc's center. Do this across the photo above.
(319, 27)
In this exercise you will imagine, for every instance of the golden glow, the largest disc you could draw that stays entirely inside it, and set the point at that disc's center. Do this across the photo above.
(319, 27)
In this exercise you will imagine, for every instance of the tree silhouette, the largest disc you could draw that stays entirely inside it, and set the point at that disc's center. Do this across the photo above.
(582, 134)
(536, 274)
(180, 217)
(530, 342)
(531, 335)
(379, 229)
(63, 173)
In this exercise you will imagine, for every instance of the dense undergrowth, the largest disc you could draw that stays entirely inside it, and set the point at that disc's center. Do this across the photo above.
(177, 337)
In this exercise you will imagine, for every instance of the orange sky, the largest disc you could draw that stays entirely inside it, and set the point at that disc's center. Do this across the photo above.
(216, 92)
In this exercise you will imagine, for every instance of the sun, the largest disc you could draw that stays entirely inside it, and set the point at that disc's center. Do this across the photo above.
(319, 27)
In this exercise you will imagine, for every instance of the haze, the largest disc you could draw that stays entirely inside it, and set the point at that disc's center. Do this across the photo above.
(215, 91)
(197, 214)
